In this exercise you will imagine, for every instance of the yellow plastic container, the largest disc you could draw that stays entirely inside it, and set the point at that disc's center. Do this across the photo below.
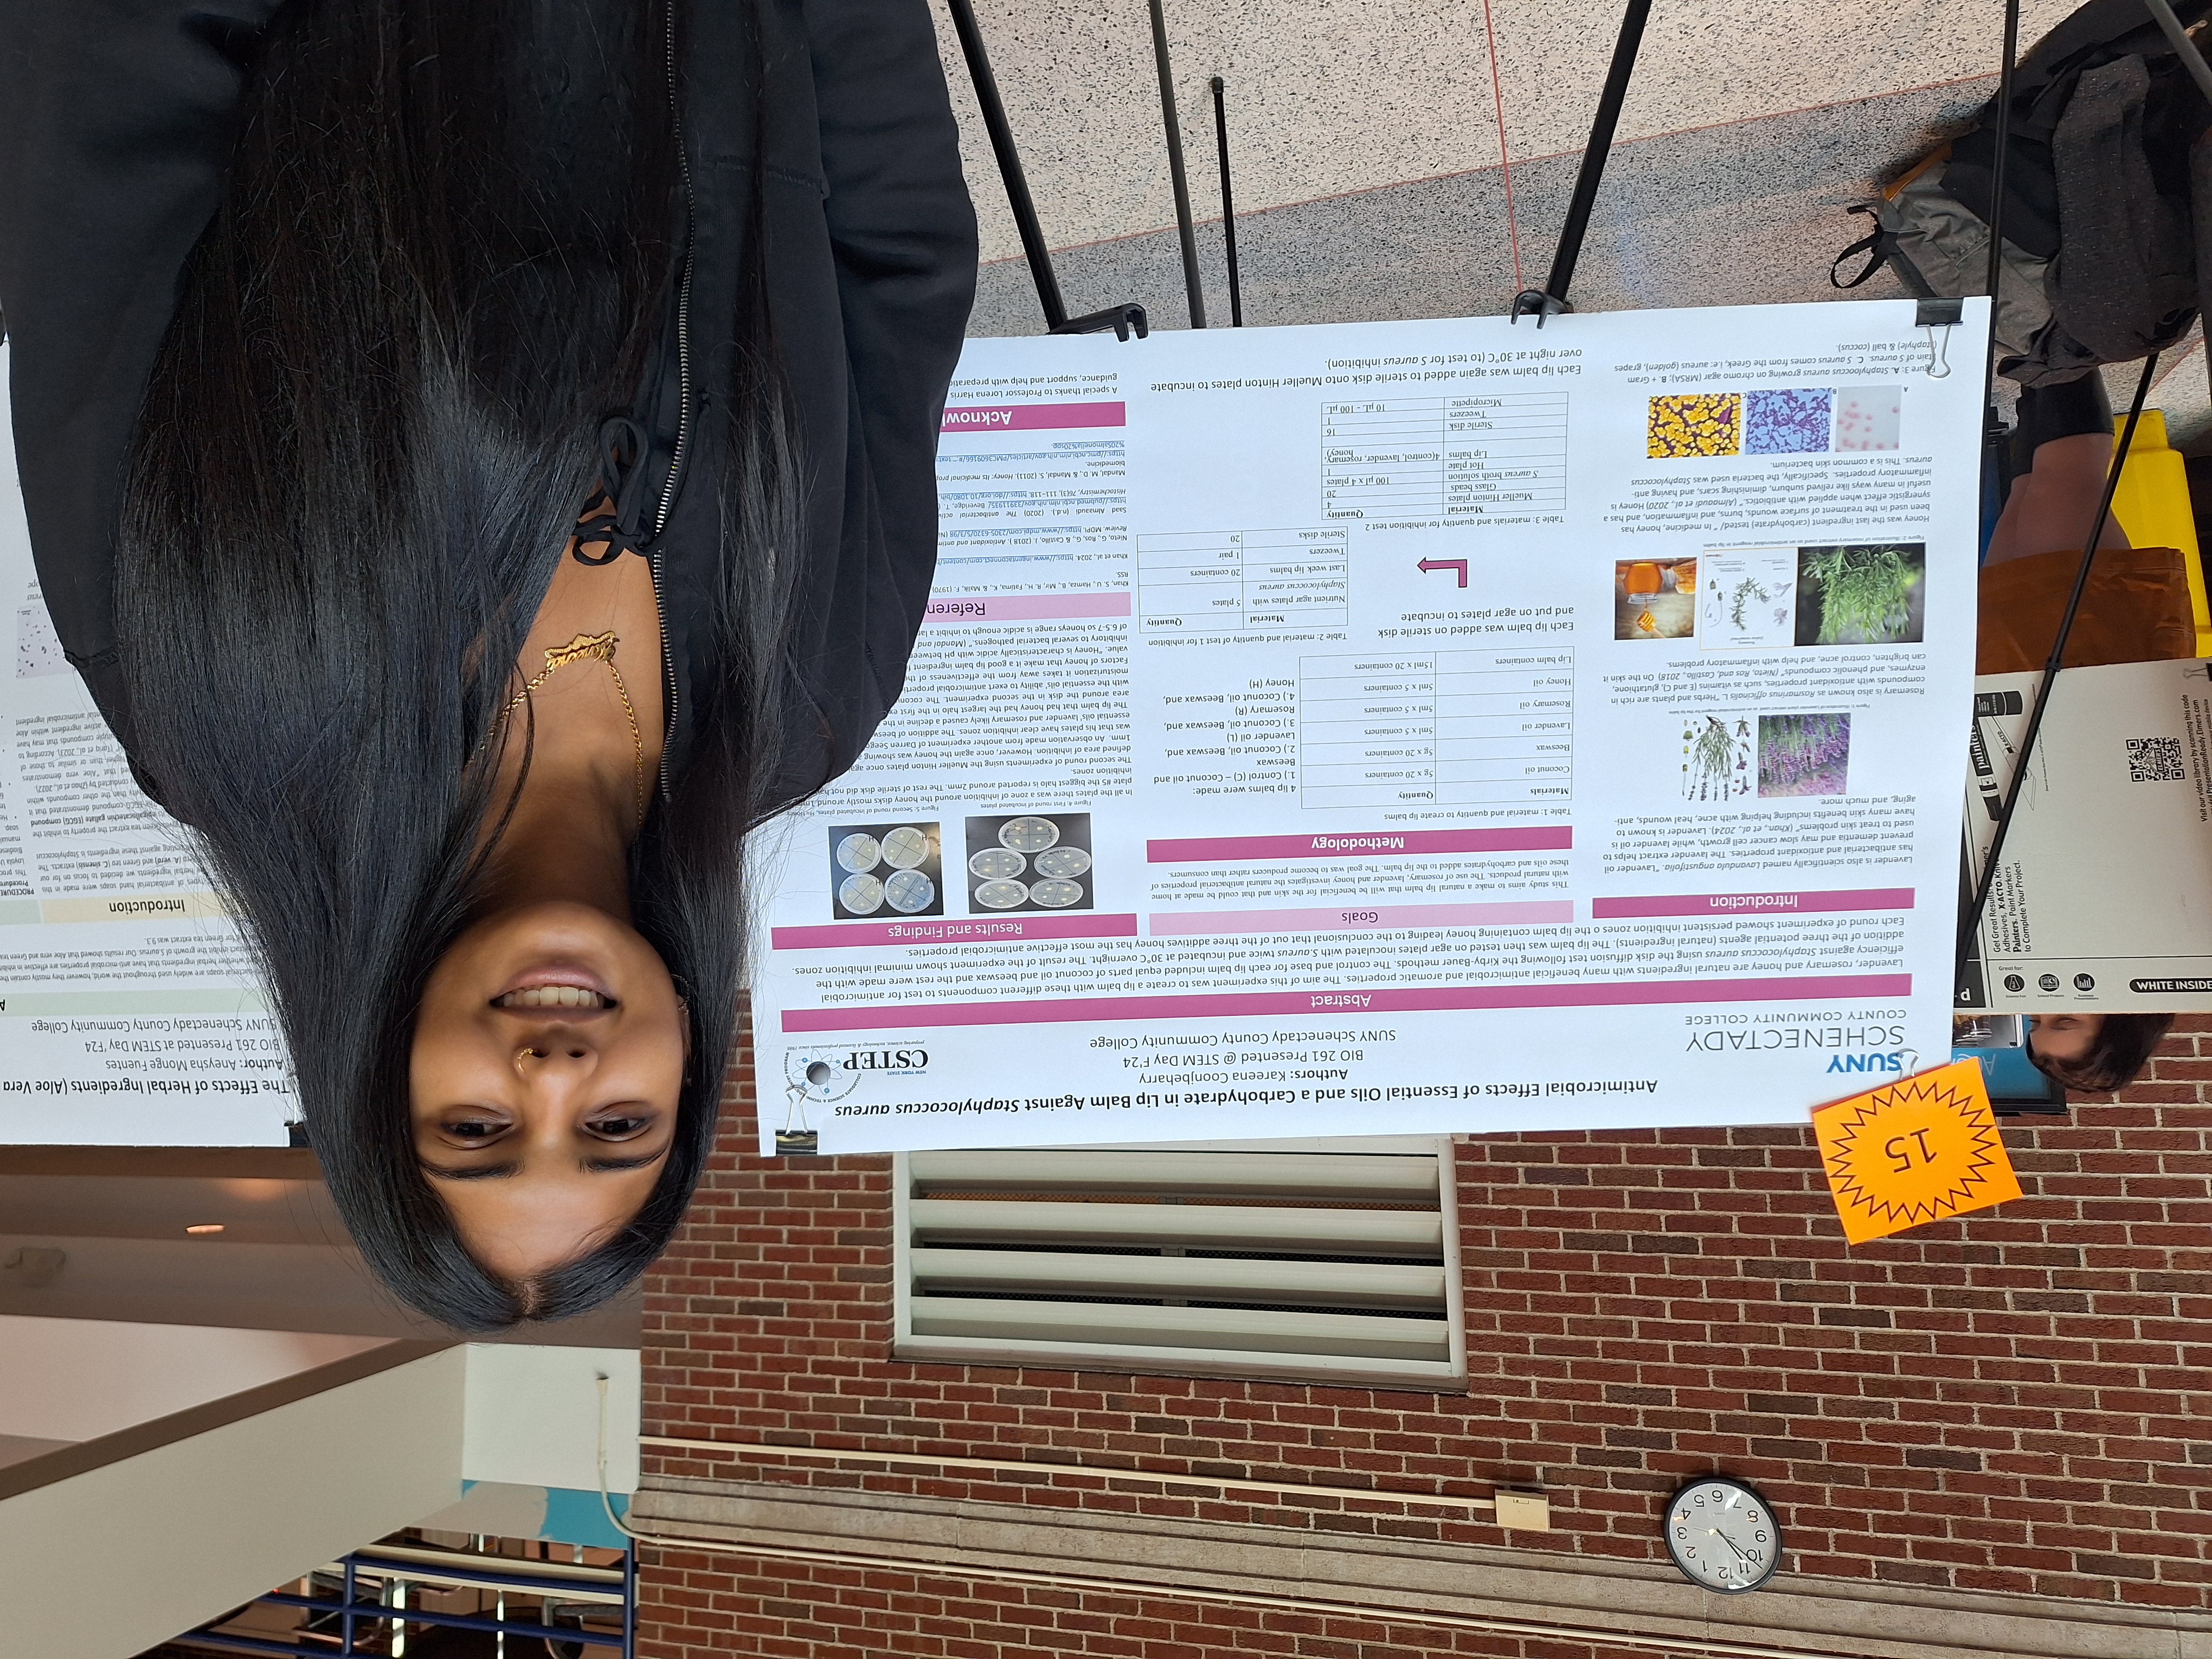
(2153, 506)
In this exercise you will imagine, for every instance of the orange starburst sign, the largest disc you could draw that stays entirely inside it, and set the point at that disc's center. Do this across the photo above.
(1914, 1152)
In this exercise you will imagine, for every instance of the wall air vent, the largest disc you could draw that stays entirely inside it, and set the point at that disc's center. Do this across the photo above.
(1324, 1265)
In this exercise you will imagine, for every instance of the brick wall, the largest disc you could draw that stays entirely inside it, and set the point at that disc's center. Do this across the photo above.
(2015, 1402)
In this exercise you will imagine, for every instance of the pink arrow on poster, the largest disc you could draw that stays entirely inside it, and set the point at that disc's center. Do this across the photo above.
(1460, 565)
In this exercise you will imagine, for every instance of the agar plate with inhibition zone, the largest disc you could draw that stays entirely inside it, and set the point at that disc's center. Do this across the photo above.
(1056, 895)
(905, 847)
(1029, 834)
(908, 891)
(1001, 895)
(859, 853)
(861, 895)
(1062, 863)
(998, 863)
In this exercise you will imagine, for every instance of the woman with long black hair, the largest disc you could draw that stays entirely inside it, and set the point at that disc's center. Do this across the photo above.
(479, 454)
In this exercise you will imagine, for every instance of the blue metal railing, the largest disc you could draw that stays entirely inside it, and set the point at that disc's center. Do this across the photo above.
(357, 1618)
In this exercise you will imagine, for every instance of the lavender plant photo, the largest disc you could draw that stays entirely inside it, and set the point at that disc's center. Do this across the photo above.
(1803, 754)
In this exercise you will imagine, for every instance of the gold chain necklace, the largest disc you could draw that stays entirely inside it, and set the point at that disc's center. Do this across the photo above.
(591, 647)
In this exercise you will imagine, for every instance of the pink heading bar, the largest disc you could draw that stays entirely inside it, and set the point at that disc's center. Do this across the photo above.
(1737, 904)
(1032, 417)
(1025, 607)
(1524, 911)
(951, 930)
(1360, 844)
(1245, 1004)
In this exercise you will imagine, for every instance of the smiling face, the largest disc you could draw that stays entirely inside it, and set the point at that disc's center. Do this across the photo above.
(548, 1062)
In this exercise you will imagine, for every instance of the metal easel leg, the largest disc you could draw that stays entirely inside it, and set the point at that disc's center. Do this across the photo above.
(1552, 298)
(1993, 433)
(1228, 203)
(1194, 290)
(1123, 320)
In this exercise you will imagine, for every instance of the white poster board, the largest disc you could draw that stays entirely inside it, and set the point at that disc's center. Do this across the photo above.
(2103, 898)
(1403, 727)
(130, 1012)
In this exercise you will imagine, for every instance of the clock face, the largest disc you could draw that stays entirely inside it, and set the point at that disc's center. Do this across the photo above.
(1722, 1535)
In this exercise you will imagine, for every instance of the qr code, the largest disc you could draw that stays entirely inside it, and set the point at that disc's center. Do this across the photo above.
(2155, 759)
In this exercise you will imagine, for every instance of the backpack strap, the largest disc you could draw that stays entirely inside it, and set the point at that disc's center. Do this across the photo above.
(1877, 244)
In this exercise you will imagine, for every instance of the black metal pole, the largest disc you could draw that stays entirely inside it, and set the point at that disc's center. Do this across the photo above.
(1010, 161)
(1193, 291)
(1993, 432)
(1553, 297)
(2004, 142)
(1969, 924)
(1228, 203)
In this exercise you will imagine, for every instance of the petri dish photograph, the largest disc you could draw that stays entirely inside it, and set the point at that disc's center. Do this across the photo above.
(908, 891)
(1001, 895)
(1028, 834)
(1056, 895)
(1062, 863)
(862, 894)
(996, 864)
(905, 847)
(858, 854)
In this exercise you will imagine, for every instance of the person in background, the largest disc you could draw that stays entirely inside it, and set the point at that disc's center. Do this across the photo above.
(2094, 1053)
(2135, 608)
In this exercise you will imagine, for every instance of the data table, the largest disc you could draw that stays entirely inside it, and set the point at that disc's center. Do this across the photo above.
(1381, 728)
(1218, 581)
(1481, 455)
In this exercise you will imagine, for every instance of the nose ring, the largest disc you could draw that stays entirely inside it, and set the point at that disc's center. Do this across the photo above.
(523, 1054)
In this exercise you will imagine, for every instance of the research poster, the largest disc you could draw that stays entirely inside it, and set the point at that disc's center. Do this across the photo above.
(2102, 902)
(130, 1012)
(1403, 727)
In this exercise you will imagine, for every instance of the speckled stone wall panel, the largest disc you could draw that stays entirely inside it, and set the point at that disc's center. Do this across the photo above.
(1748, 214)
(1331, 96)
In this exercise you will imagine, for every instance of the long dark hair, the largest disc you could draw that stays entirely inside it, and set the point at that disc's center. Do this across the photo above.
(2122, 1047)
(442, 260)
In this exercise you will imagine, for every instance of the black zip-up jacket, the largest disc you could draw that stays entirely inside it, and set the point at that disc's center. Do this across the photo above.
(115, 132)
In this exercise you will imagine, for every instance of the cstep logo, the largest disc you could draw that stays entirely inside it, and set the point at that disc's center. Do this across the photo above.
(909, 1061)
(832, 1073)
(817, 1074)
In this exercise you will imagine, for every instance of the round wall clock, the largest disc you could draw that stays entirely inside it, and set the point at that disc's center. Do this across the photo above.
(1722, 1535)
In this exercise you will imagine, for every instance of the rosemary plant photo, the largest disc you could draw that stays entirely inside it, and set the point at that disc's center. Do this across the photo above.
(1861, 595)
(1748, 595)
(1803, 754)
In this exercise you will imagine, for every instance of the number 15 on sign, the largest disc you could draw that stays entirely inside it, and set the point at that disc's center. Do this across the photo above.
(1914, 1152)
